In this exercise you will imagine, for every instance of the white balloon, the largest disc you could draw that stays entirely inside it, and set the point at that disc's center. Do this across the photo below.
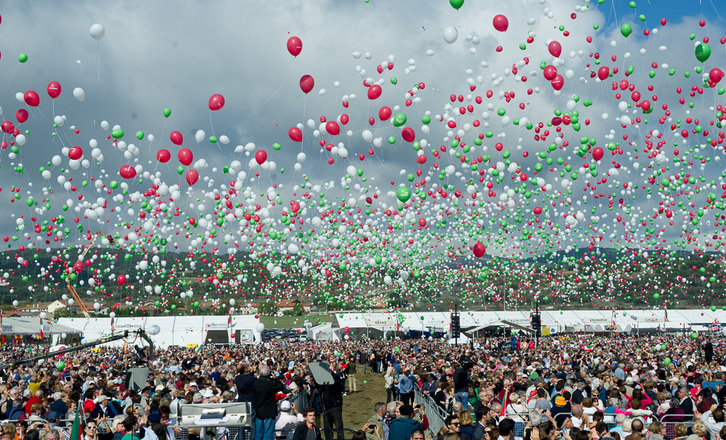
(200, 135)
(97, 31)
(450, 34)
(79, 94)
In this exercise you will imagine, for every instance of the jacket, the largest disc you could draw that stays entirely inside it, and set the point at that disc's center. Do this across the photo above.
(402, 427)
(390, 376)
(405, 385)
(332, 395)
(245, 388)
(301, 432)
(371, 433)
(265, 401)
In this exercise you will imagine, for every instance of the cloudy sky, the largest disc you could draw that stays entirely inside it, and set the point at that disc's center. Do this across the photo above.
(163, 54)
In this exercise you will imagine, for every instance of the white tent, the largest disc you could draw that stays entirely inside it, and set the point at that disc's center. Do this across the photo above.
(557, 321)
(174, 330)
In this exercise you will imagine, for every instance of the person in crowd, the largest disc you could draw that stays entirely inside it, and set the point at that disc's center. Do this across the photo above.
(266, 389)
(374, 425)
(402, 427)
(288, 418)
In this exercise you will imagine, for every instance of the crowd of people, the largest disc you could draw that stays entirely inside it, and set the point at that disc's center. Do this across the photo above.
(578, 387)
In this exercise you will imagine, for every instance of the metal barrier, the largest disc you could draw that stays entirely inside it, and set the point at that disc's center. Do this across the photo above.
(670, 421)
(561, 417)
(435, 415)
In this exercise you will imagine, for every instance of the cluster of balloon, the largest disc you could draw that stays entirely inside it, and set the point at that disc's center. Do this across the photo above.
(564, 167)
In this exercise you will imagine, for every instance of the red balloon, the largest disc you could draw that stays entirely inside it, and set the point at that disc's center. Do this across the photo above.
(598, 153)
(500, 23)
(75, 153)
(333, 128)
(408, 134)
(185, 156)
(21, 115)
(384, 113)
(555, 49)
(127, 172)
(537, 210)
(344, 119)
(78, 266)
(307, 83)
(603, 73)
(294, 46)
(121, 279)
(261, 156)
(54, 89)
(163, 155)
(550, 72)
(216, 102)
(192, 177)
(31, 98)
(176, 138)
(558, 82)
(295, 134)
(7, 127)
(479, 250)
(374, 91)
(716, 75)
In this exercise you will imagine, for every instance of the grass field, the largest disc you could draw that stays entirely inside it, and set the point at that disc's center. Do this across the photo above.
(293, 321)
(358, 407)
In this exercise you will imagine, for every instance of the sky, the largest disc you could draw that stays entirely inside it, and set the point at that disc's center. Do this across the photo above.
(176, 55)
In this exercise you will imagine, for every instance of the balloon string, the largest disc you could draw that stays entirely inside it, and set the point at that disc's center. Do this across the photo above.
(283, 82)
(98, 61)
(11, 75)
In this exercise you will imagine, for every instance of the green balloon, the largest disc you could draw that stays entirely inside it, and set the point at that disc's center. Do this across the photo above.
(403, 193)
(139, 135)
(60, 365)
(656, 295)
(703, 51)
(667, 361)
(399, 119)
(167, 112)
(180, 169)
(23, 57)
(626, 30)
(117, 134)
(694, 335)
(29, 202)
(456, 4)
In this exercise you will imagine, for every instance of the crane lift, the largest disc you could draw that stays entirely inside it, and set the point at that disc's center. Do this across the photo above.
(72, 289)
(142, 356)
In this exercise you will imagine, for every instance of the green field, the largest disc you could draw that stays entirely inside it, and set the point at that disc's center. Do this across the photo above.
(294, 321)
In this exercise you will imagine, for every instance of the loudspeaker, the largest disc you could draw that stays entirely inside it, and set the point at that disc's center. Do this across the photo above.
(136, 378)
(321, 373)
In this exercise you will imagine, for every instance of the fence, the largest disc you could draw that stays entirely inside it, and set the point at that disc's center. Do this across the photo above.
(434, 413)
(670, 421)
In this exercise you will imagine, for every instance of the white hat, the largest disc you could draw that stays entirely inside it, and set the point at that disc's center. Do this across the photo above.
(193, 384)
(285, 405)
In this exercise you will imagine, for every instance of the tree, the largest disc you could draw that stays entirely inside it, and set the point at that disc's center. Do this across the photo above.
(269, 308)
(298, 309)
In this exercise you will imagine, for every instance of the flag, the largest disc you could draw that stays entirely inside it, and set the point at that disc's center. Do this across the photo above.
(666, 312)
(76, 430)
(505, 402)
(41, 328)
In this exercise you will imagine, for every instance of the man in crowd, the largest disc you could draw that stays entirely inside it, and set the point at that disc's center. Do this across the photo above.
(266, 390)
(402, 427)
